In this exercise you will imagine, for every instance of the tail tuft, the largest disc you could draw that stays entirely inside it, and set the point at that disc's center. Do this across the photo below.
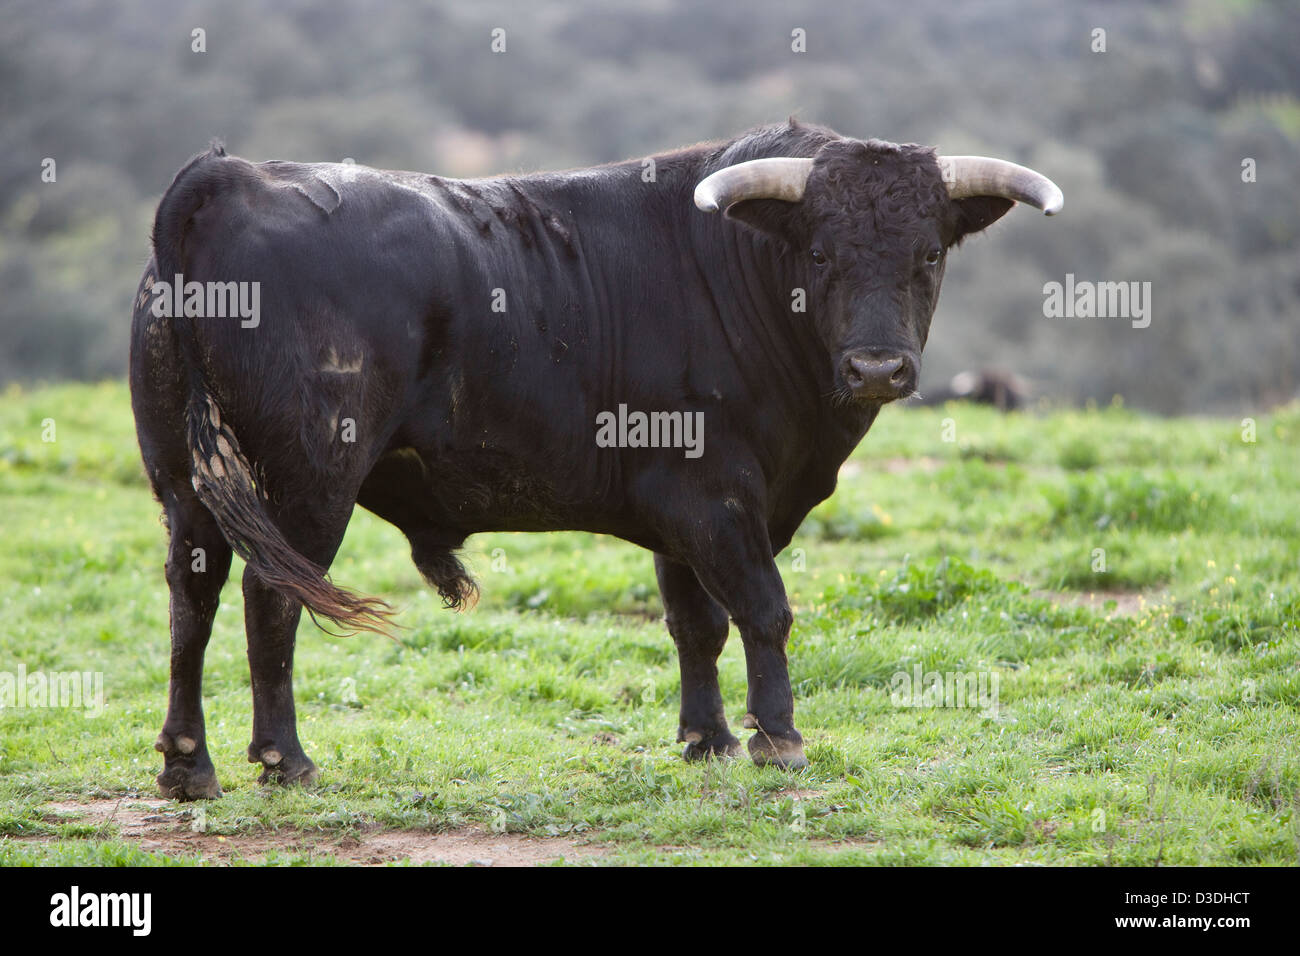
(443, 570)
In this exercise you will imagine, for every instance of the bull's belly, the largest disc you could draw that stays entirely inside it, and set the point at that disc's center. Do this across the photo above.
(474, 490)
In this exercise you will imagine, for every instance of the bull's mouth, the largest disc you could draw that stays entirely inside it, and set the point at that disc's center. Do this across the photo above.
(844, 395)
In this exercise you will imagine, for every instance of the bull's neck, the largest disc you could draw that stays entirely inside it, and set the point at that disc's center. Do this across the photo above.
(736, 287)
(767, 312)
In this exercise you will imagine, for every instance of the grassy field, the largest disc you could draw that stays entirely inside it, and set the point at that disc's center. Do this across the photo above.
(1131, 584)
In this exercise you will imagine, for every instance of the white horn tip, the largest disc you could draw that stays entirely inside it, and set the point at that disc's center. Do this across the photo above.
(704, 199)
(1055, 204)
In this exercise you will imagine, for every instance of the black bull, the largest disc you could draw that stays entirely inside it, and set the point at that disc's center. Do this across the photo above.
(443, 353)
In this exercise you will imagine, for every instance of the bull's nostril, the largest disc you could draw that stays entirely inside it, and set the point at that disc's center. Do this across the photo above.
(854, 375)
(899, 376)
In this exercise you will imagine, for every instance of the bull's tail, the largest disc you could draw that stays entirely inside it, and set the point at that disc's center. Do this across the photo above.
(223, 477)
(224, 480)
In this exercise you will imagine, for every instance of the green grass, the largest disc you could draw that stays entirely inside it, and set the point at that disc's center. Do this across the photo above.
(1168, 733)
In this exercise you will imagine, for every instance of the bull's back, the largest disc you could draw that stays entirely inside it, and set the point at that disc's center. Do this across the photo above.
(466, 323)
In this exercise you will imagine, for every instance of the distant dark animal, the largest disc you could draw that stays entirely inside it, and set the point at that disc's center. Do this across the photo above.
(1003, 390)
(472, 355)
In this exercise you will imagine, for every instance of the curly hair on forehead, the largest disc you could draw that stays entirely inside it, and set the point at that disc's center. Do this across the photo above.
(879, 188)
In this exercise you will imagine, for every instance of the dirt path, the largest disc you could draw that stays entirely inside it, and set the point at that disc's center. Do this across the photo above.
(169, 829)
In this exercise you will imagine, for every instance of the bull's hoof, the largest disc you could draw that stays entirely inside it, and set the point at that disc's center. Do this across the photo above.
(187, 773)
(189, 783)
(719, 744)
(284, 769)
(784, 752)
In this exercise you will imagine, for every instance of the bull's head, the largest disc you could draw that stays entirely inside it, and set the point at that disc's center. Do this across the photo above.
(869, 224)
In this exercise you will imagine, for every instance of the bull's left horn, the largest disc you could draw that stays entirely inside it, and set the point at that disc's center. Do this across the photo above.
(776, 178)
(967, 176)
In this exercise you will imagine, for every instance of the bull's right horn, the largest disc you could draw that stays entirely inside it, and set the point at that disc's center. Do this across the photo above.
(777, 178)
(967, 176)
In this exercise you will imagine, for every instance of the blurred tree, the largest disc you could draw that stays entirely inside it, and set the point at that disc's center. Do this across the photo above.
(1147, 139)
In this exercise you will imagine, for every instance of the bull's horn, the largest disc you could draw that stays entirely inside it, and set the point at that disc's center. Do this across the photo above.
(981, 176)
(779, 178)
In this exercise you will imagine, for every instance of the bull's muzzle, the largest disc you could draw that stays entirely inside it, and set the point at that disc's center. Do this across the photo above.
(878, 376)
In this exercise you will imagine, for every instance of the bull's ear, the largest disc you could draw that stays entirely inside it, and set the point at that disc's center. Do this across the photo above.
(978, 212)
(772, 217)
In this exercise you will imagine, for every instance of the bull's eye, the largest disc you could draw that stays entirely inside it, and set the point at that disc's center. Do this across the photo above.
(819, 257)
(933, 256)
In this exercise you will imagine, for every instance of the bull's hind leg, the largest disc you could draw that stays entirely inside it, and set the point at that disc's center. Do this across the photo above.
(315, 530)
(198, 562)
(699, 629)
(271, 620)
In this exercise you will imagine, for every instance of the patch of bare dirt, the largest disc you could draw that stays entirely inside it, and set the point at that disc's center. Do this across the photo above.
(170, 829)
(1127, 603)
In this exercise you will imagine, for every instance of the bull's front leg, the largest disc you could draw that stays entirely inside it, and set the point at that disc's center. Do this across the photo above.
(739, 571)
(698, 626)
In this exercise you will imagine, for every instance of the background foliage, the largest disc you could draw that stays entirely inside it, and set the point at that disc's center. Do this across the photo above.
(1146, 140)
